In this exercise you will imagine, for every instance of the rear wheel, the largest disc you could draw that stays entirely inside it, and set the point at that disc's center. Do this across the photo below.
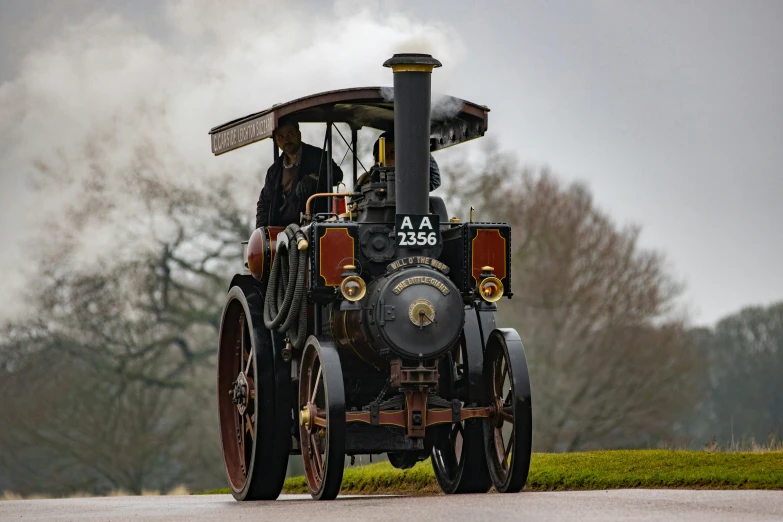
(254, 414)
(508, 431)
(322, 418)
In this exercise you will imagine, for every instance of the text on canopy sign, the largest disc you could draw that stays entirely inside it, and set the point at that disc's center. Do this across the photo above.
(243, 134)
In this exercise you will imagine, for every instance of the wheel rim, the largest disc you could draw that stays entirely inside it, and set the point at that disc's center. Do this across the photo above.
(314, 420)
(236, 396)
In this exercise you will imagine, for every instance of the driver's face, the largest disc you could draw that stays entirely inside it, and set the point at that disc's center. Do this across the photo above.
(288, 138)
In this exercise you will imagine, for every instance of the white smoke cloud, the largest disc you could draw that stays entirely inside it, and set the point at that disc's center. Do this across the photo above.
(444, 106)
(90, 97)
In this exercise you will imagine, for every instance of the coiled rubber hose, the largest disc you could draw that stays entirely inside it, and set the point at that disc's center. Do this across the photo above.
(285, 304)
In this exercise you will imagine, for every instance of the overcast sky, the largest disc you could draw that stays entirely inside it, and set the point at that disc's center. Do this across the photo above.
(671, 111)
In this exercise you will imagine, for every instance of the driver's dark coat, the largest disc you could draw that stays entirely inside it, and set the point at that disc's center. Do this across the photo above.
(275, 208)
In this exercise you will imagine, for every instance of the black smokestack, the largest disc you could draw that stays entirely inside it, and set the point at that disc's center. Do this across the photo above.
(412, 94)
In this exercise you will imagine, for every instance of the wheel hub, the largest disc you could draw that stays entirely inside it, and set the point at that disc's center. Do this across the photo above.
(240, 393)
(495, 412)
(306, 416)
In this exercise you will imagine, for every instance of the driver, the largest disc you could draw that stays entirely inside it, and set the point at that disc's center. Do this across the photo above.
(434, 170)
(297, 174)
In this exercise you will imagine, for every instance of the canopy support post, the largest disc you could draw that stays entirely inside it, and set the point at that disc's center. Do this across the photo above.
(329, 174)
(354, 150)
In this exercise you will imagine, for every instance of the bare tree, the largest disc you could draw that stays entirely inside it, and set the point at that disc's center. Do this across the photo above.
(112, 377)
(611, 363)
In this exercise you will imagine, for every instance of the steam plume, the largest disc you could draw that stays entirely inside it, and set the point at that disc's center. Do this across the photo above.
(104, 100)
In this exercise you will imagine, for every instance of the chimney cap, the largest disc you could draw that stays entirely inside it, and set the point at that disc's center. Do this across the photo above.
(412, 59)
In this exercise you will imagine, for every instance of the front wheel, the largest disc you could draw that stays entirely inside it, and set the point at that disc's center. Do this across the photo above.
(508, 432)
(322, 418)
(458, 453)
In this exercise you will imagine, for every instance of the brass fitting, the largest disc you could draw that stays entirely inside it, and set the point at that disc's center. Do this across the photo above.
(382, 152)
(304, 417)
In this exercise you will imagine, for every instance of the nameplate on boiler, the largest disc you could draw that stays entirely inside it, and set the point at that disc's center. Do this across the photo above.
(420, 280)
(417, 261)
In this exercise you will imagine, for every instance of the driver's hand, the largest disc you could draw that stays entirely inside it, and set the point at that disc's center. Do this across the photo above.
(307, 186)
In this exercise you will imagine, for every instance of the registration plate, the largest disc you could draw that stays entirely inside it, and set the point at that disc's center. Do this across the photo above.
(417, 231)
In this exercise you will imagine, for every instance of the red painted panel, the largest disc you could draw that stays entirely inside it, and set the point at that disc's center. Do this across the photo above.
(335, 250)
(488, 249)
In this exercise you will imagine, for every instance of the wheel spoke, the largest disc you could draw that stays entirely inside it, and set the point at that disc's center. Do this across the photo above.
(242, 431)
(241, 442)
(241, 341)
(249, 426)
(314, 393)
(249, 360)
(499, 447)
(317, 460)
(457, 441)
(500, 378)
(505, 378)
(508, 447)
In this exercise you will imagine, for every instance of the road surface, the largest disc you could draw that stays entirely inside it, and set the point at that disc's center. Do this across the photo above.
(584, 506)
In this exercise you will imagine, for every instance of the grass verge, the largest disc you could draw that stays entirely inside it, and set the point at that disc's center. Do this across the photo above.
(586, 471)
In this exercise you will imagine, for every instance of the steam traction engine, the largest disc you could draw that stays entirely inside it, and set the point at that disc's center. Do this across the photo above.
(373, 330)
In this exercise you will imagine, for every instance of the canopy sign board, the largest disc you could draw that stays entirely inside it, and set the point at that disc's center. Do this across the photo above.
(243, 134)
